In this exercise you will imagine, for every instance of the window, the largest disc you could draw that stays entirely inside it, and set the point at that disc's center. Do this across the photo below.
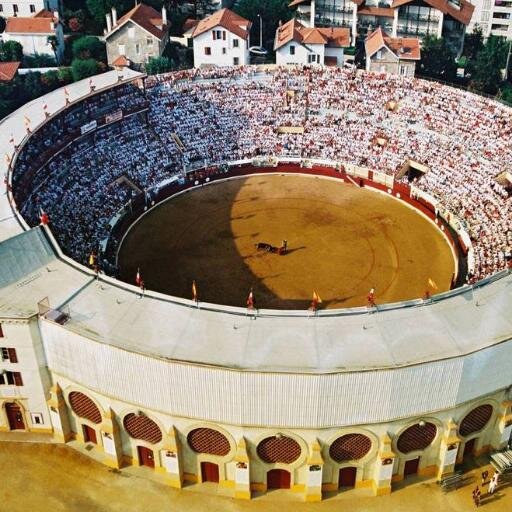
(235, 43)
(149, 41)
(292, 50)
(1, 8)
(137, 48)
(32, 8)
(8, 354)
(236, 61)
(217, 34)
(224, 51)
(313, 58)
(207, 50)
(1, 332)
(224, 35)
(122, 49)
(15, 9)
(379, 55)
(131, 32)
(403, 70)
(11, 378)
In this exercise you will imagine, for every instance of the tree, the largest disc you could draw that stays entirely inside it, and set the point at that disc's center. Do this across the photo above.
(11, 51)
(54, 43)
(65, 76)
(486, 70)
(89, 47)
(75, 25)
(473, 43)
(82, 68)
(156, 65)
(99, 8)
(32, 86)
(50, 80)
(437, 61)
(271, 11)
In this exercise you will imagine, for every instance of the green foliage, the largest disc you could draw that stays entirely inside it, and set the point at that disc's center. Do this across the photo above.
(176, 19)
(11, 51)
(486, 69)
(473, 43)
(82, 68)
(32, 86)
(157, 65)
(506, 93)
(50, 80)
(437, 61)
(65, 76)
(98, 8)
(89, 47)
(271, 11)
(39, 60)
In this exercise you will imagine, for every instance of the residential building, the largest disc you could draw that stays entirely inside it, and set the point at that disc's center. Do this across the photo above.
(138, 35)
(221, 39)
(26, 8)
(34, 33)
(298, 44)
(394, 55)
(494, 17)
(8, 71)
(400, 18)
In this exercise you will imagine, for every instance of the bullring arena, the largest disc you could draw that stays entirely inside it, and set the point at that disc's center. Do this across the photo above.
(376, 182)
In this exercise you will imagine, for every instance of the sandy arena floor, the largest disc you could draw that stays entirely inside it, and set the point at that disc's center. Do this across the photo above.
(342, 241)
(56, 478)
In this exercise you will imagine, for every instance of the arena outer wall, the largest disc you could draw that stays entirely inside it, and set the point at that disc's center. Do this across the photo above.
(357, 398)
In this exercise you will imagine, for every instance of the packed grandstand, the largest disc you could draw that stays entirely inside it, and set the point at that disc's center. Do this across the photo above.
(195, 118)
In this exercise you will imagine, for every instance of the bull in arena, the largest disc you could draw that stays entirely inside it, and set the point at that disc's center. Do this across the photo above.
(263, 246)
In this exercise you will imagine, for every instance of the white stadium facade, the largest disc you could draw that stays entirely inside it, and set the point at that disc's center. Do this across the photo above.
(252, 400)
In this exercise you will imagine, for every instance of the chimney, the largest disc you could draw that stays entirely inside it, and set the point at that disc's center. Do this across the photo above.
(164, 16)
(109, 23)
(56, 16)
(114, 16)
(52, 26)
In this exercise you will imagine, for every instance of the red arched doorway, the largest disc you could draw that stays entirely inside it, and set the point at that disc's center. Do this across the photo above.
(14, 416)
(411, 467)
(209, 472)
(146, 457)
(469, 448)
(278, 479)
(89, 434)
(347, 477)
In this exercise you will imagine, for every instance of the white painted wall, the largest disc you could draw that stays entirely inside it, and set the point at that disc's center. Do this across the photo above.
(25, 338)
(223, 52)
(283, 55)
(24, 7)
(37, 43)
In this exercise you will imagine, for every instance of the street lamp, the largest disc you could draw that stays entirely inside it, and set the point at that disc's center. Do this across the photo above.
(259, 50)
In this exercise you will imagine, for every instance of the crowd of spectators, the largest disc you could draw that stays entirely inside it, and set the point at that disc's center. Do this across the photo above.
(199, 117)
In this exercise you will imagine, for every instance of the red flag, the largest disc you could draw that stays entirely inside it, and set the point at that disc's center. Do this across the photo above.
(250, 300)
(194, 291)
(138, 279)
(44, 218)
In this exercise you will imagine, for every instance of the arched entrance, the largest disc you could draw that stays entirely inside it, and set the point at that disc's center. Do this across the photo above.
(89, 434)
(146, 457)
(347, 477)
(278, 479)
(411, 467)
(209, 472)
(14, 416)
(469, 448)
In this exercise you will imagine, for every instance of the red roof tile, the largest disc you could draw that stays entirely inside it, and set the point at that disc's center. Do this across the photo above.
(147, 18)
(8, 70)
(121, 61)
(40, 23)
(226, 19)
(404, 48)
(293, 30)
